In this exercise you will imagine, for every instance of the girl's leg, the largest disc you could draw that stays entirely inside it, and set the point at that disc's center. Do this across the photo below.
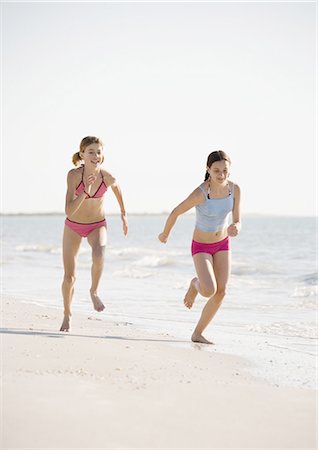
(222, 268)
(71, 245)
(205, 284)
(97, 240)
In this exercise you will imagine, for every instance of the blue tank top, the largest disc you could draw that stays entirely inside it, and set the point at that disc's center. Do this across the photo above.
(212, 215)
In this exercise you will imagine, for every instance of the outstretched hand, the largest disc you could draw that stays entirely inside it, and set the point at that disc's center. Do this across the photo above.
(163, 238)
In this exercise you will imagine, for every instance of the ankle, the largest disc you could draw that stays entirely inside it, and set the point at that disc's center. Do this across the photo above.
(195, 336)
(197, 333)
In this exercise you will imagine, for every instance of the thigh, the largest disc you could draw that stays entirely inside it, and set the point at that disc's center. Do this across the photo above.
(71, 245)
(204, 267)
(222, 267)
(97, 239)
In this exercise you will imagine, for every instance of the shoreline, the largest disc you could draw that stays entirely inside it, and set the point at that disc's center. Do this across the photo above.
(109, 385)
(277, 360)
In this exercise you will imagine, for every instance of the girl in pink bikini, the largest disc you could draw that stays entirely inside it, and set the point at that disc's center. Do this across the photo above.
(214, 200)
(86, 186)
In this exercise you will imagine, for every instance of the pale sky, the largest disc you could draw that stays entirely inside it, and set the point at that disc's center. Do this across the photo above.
(163, 85)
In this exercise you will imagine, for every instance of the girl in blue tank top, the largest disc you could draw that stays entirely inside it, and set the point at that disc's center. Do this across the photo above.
(215, 200)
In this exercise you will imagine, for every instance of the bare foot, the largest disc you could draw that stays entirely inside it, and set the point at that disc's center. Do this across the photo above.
(98, 304)
(66, 325)
(191, 294)
(199, 338)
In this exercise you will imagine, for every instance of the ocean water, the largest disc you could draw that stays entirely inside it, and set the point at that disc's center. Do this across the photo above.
(269, 315)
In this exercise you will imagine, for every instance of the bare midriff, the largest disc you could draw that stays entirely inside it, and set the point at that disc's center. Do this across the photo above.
(90, 211)
(207, 237)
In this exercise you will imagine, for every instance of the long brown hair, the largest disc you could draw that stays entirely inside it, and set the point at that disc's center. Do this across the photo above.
(85, 142)
(219, 155)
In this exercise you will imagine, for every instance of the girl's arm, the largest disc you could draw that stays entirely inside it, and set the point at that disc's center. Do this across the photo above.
(235, 227)
(71, 205)
(111, 181)
(195, 198)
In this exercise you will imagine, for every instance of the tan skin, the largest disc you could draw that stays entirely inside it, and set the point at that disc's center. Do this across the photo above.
(212, 271)
(82, 210)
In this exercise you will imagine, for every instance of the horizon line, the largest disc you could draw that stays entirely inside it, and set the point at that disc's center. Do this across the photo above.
(247, 214)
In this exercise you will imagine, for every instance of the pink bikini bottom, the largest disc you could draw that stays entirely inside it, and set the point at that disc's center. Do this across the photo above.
(221, 246)
(84, 229)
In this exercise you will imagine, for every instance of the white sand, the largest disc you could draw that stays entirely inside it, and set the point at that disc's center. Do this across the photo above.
(111, 386)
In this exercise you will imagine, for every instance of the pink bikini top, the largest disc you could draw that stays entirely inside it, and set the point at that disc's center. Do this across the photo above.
(100, 190)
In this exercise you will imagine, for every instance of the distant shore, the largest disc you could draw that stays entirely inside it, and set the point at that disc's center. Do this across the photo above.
(163, 213)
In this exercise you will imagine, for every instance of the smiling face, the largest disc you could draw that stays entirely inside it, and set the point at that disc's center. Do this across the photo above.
(92, 155)
(219, 171)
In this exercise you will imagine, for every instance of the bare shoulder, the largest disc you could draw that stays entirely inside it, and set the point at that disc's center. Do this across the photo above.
(108, 177)
(199, 192)
(237, 189)
(197, 196)
(203, 187)
(194, 199)
(73, 174)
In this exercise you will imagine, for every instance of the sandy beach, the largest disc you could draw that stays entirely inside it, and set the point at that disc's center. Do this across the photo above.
(109, 385)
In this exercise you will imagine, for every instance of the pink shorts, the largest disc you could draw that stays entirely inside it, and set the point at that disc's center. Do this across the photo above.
(221, 246)
(84, 229)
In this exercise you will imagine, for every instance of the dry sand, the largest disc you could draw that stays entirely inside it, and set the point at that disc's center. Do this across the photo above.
(109, 385)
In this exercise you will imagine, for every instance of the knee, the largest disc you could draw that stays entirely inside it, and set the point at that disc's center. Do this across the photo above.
(207, 290)
(220, 293)
(69, 279)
